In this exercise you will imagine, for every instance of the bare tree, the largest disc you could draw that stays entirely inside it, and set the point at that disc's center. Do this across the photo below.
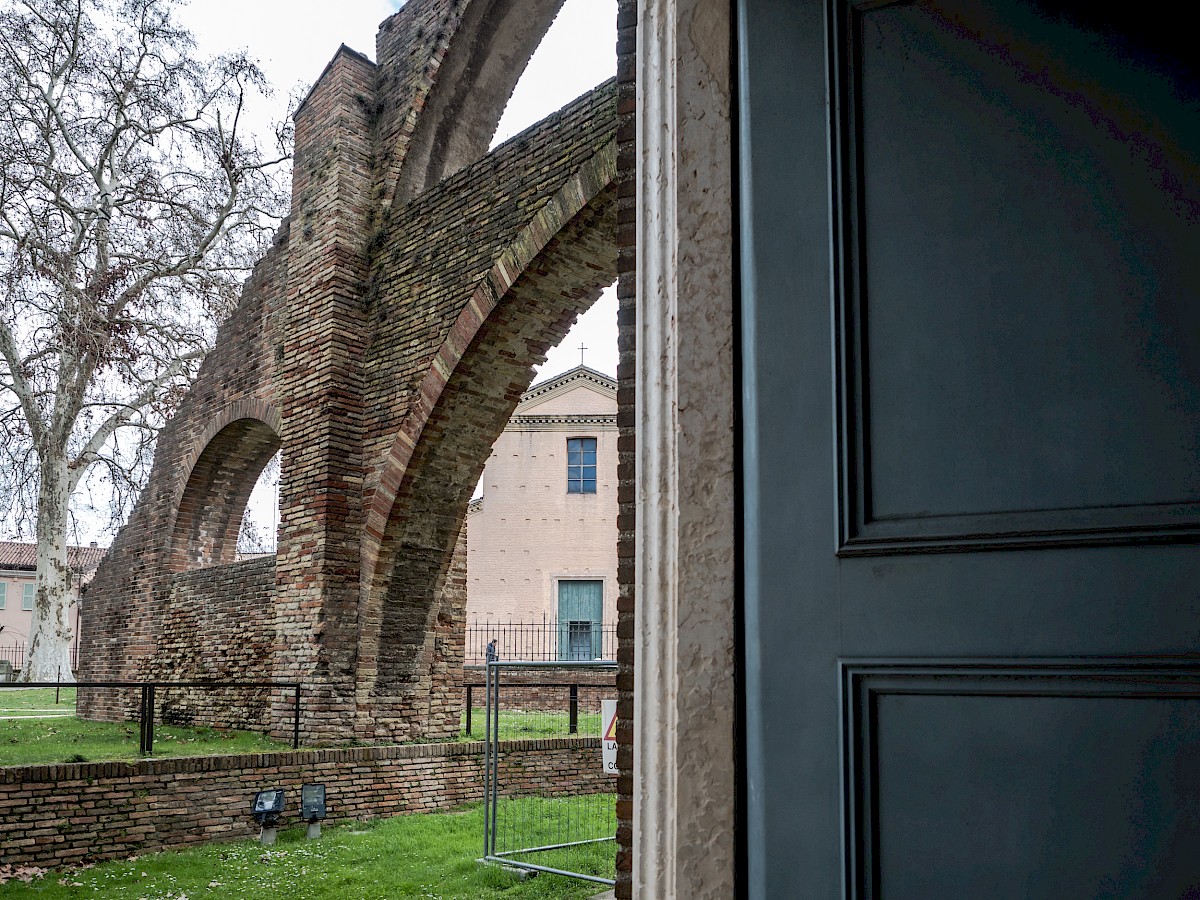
(259, 530)
(131, 203)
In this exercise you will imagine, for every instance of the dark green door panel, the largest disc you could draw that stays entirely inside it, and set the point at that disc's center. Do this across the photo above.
(971, 424)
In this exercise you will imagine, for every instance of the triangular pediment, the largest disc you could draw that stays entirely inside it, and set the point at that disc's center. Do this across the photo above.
(578, 391)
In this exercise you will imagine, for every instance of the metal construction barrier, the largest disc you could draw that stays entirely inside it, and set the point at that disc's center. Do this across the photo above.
(531, 822)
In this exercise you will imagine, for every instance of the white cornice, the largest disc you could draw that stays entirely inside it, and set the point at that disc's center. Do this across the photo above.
(575, 374)
(598, 422)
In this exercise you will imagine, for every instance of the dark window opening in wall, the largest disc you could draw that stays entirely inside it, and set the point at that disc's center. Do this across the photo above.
(581, 465)
(580, 640)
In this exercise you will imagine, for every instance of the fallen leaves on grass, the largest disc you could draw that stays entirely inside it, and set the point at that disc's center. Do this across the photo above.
(20, 873)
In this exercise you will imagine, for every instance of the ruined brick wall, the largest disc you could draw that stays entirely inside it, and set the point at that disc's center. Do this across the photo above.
(528, 231)
(382, 344)
(183, 516)
(447, 242)
(54, 816)
(218, 625)
(475, 51)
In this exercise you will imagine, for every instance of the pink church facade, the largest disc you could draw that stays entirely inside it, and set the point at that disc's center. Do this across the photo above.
(542, 537)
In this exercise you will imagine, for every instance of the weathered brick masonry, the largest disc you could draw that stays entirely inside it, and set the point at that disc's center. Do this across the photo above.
(382, 344)
(626, 427)
(232, 606)
(55, 816)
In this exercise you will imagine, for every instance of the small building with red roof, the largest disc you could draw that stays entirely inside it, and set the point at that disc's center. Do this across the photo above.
(18, 579)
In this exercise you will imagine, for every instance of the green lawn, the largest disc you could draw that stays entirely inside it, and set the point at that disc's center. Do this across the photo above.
(25, 699)
(27, 738)
(518, 725)
(428, 856)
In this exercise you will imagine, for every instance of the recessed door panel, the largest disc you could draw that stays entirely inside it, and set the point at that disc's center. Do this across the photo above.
(1023, 754)
(1019, 225)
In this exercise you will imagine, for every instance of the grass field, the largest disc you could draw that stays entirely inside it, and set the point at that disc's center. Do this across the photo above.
(34, 731)
(428, 856)
(517, 725)
(17, 700)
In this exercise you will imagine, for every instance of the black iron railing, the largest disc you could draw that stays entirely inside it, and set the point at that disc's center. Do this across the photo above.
(146, 710)
(545, 641)
(14, 655)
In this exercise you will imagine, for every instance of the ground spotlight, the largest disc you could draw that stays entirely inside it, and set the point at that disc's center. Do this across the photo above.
(267, 807)
(312, 807)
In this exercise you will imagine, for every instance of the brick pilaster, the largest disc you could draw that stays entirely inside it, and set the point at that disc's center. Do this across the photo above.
(626, 444)
(320, 377)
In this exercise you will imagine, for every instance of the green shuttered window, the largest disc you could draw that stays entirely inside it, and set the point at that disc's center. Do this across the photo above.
(580, 616)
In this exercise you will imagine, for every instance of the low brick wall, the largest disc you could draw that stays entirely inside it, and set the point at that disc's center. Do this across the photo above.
(476, 676)
(54, 816)
(543, 689)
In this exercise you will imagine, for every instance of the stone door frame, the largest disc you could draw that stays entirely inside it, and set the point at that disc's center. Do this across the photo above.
(685, 750)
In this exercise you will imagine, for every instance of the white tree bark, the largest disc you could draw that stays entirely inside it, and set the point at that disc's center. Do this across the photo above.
(49, 657)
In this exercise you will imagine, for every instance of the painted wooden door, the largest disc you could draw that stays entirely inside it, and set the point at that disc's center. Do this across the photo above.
(971, 340)
(580, 616)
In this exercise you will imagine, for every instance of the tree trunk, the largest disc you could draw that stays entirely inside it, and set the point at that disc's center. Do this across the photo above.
(49, 657)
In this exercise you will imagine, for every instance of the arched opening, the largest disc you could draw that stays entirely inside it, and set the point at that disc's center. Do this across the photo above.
(577, 53)
(512, 63)
(210, 509)
(542, 562)
(259, 531)
(416, 591)
(491, 48)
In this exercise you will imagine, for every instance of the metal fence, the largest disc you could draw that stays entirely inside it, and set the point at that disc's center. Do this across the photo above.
(541, 641)
(148, 690)
(15, 656)
(530, 822)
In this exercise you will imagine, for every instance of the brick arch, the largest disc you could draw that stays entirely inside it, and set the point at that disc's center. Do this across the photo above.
(489, 52)
(222, 466)
(413, 592)
(550, 222)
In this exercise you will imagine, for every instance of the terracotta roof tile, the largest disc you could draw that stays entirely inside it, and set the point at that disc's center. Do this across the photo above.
(16, 555)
